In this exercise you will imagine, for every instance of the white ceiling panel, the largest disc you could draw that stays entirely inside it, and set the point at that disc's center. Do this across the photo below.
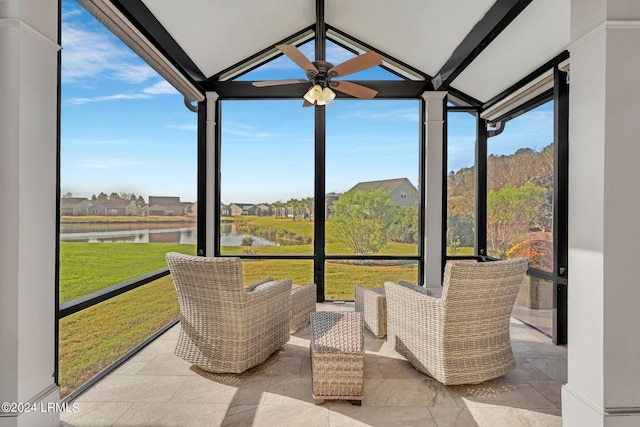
(217, 34)
(420, 33)
(536, 36)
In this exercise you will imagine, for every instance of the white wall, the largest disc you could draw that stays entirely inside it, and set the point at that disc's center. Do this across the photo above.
(28, 130)
(604, 204)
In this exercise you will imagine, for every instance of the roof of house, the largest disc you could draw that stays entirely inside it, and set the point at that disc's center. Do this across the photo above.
(69, 202)
(113, 203)
(164, 200)
(386, 184)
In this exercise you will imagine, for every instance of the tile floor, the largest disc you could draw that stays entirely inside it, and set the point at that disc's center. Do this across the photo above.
(156, 388)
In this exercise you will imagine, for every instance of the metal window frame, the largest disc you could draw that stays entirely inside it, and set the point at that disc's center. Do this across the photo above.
(560, 95)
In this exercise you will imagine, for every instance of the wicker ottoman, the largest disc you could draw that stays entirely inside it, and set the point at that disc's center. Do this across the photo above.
(337, 356)
(372, 303)
(303, 302)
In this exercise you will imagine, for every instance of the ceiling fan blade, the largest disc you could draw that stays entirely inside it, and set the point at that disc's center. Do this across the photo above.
(298, 57)
(307, 103)
(267, 83)
(359, 63)
(354, 89)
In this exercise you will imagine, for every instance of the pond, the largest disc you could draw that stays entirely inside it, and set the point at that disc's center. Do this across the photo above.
(156, 233)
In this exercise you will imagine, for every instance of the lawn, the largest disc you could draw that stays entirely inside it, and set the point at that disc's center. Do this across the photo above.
(89, 267)
(95, 337)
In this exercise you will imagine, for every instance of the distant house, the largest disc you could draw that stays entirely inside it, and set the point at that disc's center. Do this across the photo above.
(225, 210)
(403, 193)
(75, 206)
(115, 208)
(166, 206)
(264, 209)
(238, 209)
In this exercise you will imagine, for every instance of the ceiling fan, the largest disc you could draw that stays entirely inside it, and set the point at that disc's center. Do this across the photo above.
(322, 73)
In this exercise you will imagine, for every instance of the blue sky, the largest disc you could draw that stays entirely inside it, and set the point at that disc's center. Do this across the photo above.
(125, 129)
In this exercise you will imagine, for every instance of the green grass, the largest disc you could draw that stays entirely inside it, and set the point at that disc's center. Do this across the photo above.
(93, 338)
(89, 267)
(463, 251)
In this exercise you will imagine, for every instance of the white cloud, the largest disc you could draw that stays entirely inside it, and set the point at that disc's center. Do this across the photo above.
(337, 55)
(160, 88)
(92, 54)
(117, 96)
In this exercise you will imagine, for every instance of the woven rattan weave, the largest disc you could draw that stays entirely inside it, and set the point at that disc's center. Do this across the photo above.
(303, 302)
(373, 306)
(337, 355)
(225, 327)
(463, 337)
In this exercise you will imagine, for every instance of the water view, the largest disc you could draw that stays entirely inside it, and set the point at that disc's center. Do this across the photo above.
(108, 233)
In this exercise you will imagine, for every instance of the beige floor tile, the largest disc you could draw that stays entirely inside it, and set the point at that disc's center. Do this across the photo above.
(95, 414)
(372, 367)
(172, 414)
(199, 389)
(167, 365)
(171, 334)
(133, 388)
(554, 367)
(424, 392)
(133, 365)
(499, 392)
(278, 415)
(361, 416)
(156, 388)
(398, 369)
(551, 389)
(289, 391)
(496, 416)
(278, 366)
(523, 350)
(525, 371)
(549, 350)
(161, 347)
(251, 390)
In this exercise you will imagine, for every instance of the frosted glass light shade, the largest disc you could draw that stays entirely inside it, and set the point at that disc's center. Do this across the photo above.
(319, 96)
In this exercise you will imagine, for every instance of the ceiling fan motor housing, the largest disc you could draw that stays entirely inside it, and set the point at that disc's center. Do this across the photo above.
(322, 77)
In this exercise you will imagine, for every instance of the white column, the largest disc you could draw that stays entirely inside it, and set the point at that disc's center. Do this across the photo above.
(212, 97)
(433, 155)
(604, 207)
(28, 135)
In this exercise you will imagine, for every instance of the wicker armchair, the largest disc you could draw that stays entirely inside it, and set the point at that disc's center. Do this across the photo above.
(225, 326)
(463, 337)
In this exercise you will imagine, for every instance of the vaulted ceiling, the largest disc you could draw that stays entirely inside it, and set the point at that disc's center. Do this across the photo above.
(479, 48)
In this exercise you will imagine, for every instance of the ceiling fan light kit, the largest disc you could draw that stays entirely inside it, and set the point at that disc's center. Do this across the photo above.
(319, 96)
(321, 73)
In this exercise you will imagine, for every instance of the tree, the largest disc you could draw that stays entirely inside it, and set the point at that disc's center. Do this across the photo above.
(277, 209)
(291, 204)
(512, 212)
(404, 228)
(308, 207)
(363, 219)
